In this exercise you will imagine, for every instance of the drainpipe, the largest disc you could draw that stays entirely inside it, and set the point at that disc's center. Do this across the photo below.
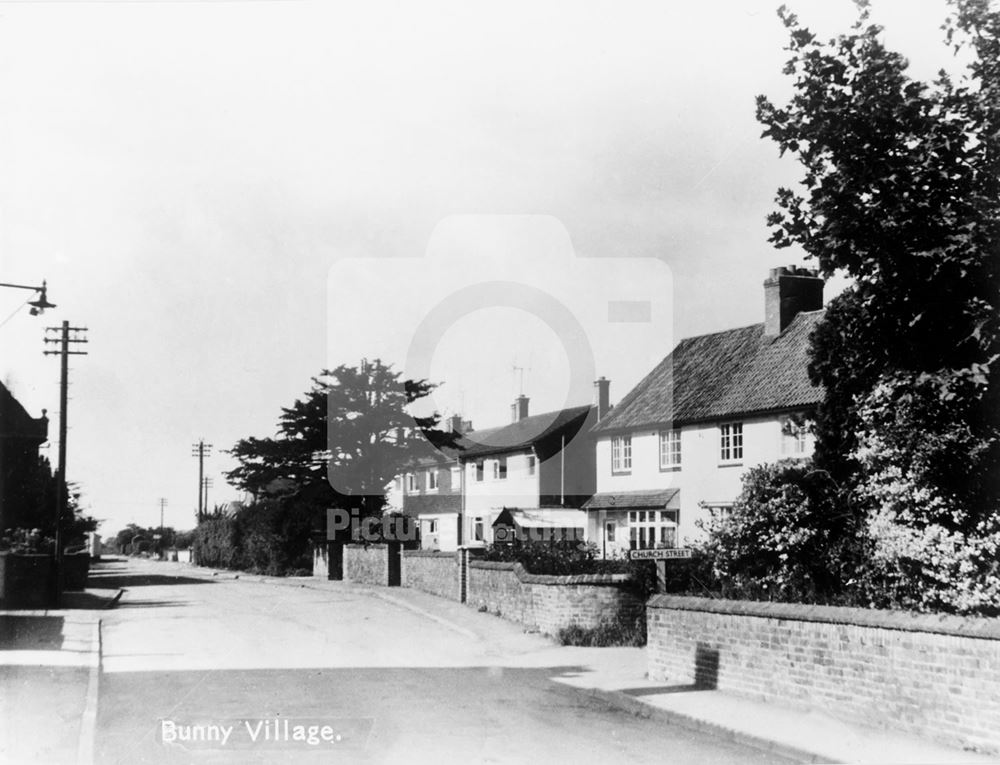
(562, 472)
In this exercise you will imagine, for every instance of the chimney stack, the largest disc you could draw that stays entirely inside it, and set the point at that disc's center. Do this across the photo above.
(466, 426)
(602, 396)
(787, 293)
(455, 423)
(519, 409)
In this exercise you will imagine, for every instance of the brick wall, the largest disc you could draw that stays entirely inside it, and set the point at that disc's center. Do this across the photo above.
(937, 676)
(366, 564)
(436, 573)
(549, 603)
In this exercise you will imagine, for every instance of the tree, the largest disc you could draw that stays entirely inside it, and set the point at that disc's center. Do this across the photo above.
(343, 442)
(901, 191)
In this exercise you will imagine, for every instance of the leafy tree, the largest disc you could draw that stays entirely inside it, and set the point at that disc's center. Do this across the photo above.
(901, 191)
(343, 442)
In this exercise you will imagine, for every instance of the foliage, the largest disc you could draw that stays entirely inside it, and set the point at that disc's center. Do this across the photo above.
(123, 539)
(622, 631)
(901, 192)
(784, 538)
(351, 430)
(268, 537)
(26, 542)
(934, 546)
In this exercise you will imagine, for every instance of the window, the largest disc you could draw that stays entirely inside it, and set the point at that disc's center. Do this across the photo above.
(531, 464)
(432, 480)
(609, 531)
(670, 448)
(500, 469)
(432, 527)
(479, 470)
(477, 529)
(621, 454)
(795, 437)
(650, 529)
(731, 442)
(411, 482)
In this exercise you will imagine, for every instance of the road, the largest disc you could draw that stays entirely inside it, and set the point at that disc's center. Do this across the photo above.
(394, 684)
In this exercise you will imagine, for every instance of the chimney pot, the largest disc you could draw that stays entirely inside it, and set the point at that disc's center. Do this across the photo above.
(787, 293)
(602, 396)
(519, 409)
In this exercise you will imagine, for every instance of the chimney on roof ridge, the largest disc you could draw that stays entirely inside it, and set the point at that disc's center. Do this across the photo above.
(602, 396)
(466, 426)
(789, 291)
(519, 409)
(455, 423)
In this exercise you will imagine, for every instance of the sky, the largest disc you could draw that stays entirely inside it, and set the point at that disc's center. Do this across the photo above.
(232, 196)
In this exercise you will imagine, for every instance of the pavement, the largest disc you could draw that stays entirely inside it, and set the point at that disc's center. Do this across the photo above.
(55, 662)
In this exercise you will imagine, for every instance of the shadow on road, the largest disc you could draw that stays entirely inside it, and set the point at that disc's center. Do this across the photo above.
(99, 580)
(31, 633)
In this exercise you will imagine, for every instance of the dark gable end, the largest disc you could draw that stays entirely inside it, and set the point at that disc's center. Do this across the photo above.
(734, 373)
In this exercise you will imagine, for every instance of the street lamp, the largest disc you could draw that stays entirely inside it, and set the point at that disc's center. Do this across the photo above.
(40, 303)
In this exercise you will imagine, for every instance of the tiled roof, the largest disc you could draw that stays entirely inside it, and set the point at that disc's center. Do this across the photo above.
(655, 499)
(524, 433)
(725, 374)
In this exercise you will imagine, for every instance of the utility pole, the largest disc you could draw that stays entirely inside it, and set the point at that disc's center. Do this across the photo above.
(201, 450)
(67, 335)
(206, 484)
(163, 503)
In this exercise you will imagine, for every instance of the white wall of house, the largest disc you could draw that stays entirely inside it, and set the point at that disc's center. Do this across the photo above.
(486, 498)
(703, 476)
(439, 532)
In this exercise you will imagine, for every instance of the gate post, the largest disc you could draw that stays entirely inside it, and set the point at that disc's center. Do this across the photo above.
(335, 560)
(394, 553)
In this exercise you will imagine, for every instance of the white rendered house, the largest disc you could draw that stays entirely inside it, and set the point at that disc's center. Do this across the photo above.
(676, 448)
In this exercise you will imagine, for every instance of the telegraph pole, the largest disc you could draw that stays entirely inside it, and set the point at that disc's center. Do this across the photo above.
(206, 484)
(163, 502)
(67, 335)
(201, 450)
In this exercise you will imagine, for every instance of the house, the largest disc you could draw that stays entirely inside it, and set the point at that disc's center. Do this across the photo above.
(676, 447)
(528, 478)
(431, 492)
(20, 436)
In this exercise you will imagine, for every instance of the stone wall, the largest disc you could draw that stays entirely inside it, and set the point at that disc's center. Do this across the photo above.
(549, 603)
(321, 560)
(436, 573)
(366, 564)
(936, 676)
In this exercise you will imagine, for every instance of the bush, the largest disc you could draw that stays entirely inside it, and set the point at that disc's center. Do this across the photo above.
(269, 538)
(787, 538)
(620, 632)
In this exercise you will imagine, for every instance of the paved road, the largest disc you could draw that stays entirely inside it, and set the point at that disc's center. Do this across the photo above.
(393, 684)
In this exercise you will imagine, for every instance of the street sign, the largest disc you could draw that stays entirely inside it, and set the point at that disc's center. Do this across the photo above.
(668, 553)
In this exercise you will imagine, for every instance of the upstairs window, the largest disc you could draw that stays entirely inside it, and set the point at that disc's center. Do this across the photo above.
(731, 442)
(432, 480)
(621, 454)
(796, 437)
(670, 448)
(531, 464)
(479, 470)
(411, 482)
(500, 469)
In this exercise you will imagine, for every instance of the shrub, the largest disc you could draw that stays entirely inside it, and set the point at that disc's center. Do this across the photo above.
(620, 632)
(786, 538)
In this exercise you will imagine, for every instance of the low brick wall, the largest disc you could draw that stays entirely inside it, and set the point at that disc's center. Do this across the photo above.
(366, 564)
(549, 603)
(433, 572)
(936, 676)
